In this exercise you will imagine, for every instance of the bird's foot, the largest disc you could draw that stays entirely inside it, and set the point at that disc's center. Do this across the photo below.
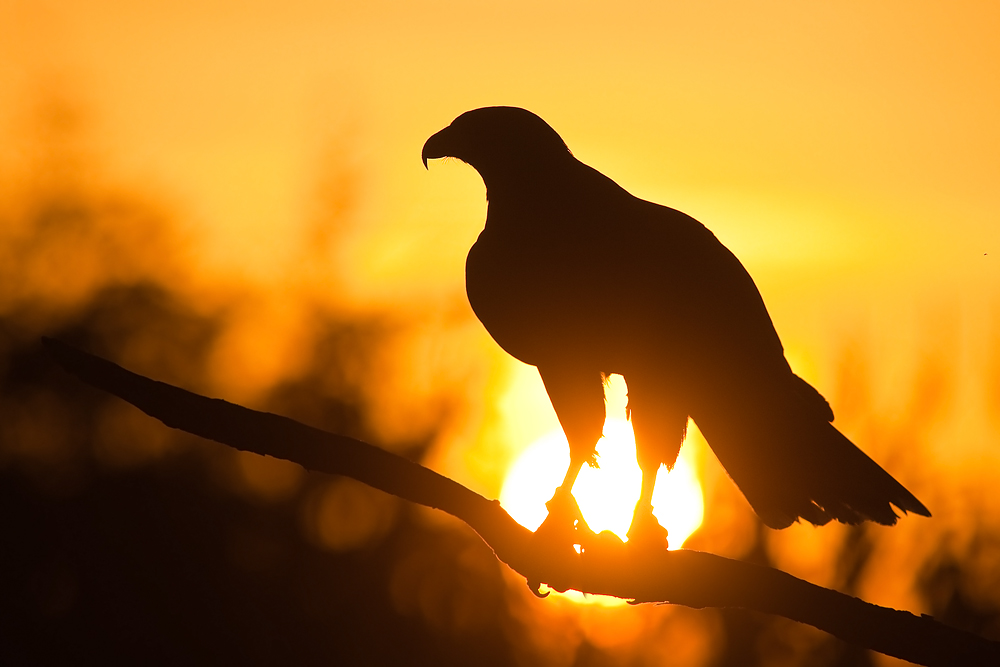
(564, 529)
(646, 534)
(602, 551)
(565, 523)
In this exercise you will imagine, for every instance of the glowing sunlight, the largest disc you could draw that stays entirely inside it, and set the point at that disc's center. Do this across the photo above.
(607, 494)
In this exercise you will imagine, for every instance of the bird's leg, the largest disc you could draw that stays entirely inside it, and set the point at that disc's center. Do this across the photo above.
(554, 540)
(659, 431)
(645, 531)
(577, 395)
(565, 521)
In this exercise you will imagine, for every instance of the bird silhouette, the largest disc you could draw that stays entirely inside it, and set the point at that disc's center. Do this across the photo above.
(576, 276)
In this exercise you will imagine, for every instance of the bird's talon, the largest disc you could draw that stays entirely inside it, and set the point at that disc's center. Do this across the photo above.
(646, 533)
(536, 590)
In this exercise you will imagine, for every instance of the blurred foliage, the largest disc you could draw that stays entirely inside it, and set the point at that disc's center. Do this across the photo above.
(126, 542)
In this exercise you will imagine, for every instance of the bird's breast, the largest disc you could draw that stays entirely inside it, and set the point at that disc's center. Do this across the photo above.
(542, 297)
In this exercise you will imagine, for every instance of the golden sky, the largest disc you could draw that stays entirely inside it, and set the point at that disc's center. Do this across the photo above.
(844, 151)
(847, 152)
(801, 133)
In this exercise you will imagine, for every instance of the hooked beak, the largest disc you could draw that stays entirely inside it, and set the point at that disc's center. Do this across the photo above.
(439, 145)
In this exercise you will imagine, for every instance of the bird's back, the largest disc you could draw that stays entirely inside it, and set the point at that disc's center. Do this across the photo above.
(590, 261)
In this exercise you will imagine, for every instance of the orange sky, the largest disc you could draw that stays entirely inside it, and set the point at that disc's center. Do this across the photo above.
(800, 134)
(847, 152)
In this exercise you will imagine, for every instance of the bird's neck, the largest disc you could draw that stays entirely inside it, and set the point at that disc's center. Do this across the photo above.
(535, 181)
(567, 193)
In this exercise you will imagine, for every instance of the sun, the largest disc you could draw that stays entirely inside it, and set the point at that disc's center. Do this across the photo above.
(607, 494)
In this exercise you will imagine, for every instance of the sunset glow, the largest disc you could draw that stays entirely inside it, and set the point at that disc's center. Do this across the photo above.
(607, 494)
(229, 197)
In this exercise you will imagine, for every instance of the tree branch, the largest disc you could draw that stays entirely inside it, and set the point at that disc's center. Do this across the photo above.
(685, 577)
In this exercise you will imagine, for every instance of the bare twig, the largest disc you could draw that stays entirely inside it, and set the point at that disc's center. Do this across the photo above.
(690, 578)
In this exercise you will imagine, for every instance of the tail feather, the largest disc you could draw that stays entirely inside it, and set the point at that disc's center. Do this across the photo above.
(791, 464)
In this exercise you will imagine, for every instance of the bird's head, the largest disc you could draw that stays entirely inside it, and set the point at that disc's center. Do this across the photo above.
(499, 142)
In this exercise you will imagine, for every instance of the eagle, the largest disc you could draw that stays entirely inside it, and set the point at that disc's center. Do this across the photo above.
(576, 276)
